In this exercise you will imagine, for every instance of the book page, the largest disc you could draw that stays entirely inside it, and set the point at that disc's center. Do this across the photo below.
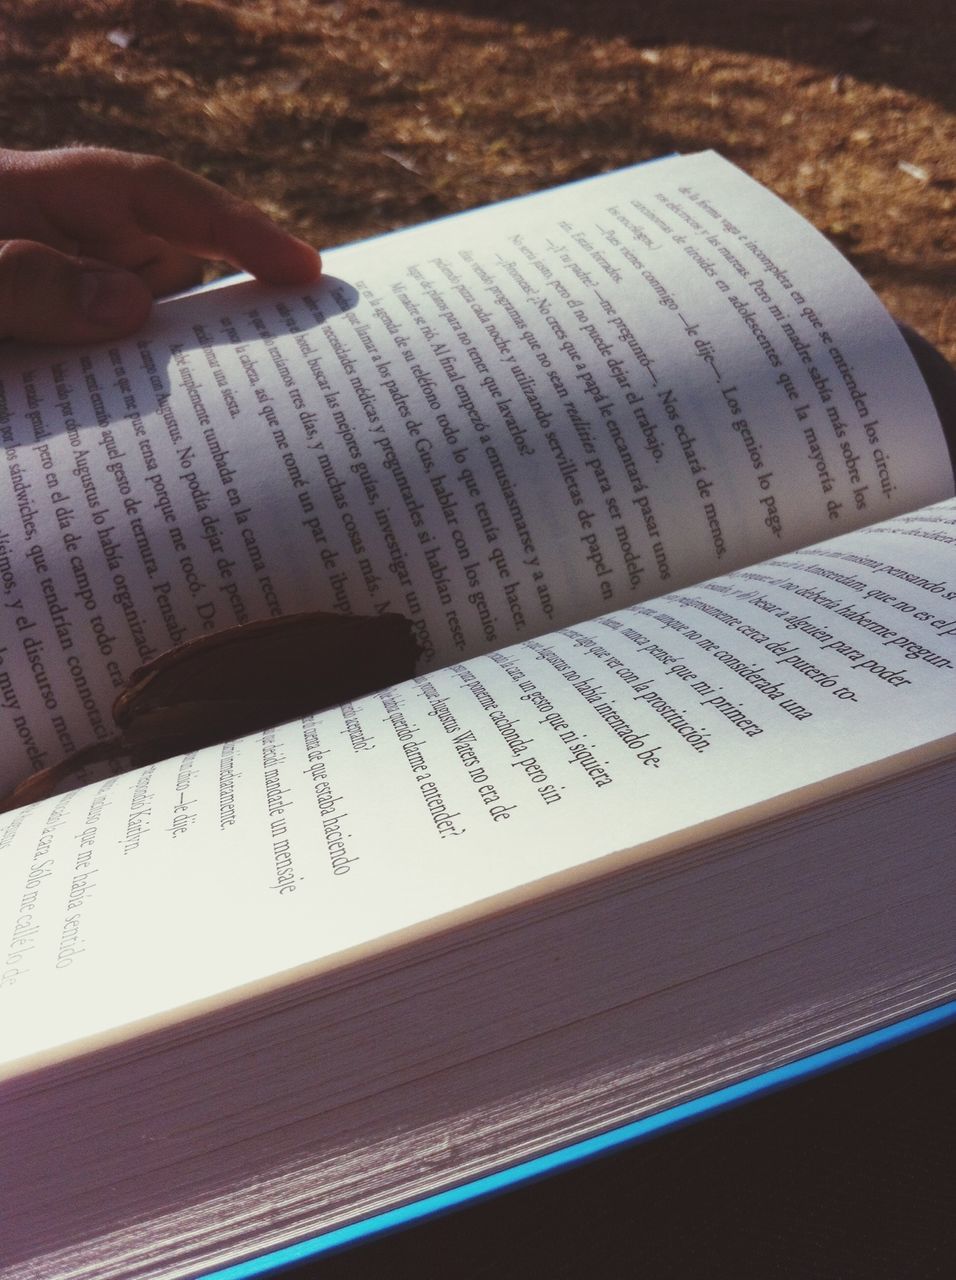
(140, 893)
(495, 425)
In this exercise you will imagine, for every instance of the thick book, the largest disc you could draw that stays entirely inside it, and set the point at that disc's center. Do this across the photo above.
(668, 804)
(841, 1173)
(815, 1140)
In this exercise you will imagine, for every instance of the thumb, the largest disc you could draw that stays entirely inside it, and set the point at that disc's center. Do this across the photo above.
(46, 296)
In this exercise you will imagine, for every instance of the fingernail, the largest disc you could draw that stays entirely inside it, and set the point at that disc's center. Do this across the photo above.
(110, 297)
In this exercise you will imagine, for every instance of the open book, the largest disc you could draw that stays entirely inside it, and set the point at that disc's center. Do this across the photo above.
(669, 801)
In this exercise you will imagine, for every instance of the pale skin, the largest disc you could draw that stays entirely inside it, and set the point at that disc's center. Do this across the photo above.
(89, 237)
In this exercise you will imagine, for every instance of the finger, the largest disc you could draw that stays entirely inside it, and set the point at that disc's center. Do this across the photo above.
(108, 204)
(162, 267)
(207, 221)
(46, 296)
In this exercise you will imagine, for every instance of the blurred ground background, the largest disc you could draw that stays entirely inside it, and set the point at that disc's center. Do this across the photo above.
(349, 117)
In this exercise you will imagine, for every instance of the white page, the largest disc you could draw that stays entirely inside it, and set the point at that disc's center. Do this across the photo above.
(144, 892)
(496, 425)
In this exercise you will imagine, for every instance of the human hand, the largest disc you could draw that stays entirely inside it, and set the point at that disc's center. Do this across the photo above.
(88, 237)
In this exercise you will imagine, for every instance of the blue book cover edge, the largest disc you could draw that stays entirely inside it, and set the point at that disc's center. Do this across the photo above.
(575, 1153)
